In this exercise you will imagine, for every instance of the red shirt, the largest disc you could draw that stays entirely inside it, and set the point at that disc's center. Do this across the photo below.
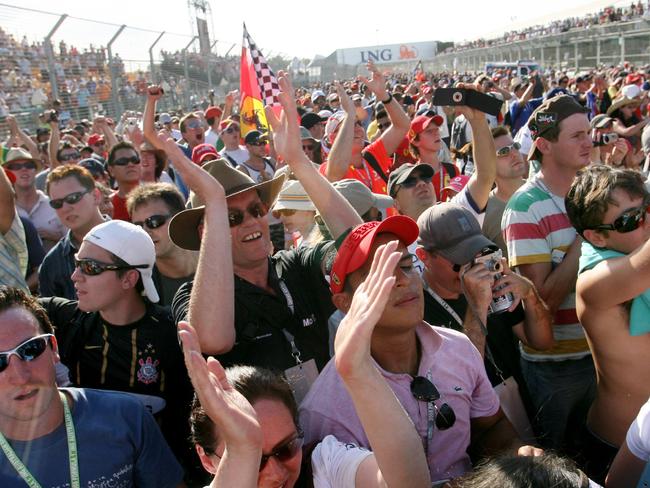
(119, 208)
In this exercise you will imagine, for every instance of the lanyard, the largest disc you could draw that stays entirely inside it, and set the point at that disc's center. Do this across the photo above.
(430, 420)
(72, 452)
(442, 303)
(295, 352)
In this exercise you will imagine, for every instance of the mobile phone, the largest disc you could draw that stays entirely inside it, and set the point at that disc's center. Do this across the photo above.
(471, 98)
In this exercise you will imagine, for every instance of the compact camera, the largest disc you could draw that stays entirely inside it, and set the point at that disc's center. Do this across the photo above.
(491, 258)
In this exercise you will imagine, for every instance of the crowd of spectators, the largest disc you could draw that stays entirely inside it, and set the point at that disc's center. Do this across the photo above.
(608, 15)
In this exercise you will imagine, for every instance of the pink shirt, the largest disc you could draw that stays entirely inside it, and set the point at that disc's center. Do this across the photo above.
(453, 365)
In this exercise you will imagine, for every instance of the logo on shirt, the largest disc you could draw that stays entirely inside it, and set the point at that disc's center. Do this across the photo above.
(311, 320)
(148, 372)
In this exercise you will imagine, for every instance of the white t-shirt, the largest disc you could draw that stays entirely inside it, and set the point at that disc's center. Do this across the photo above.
(334, 464)
(239, 155)
(638, 435)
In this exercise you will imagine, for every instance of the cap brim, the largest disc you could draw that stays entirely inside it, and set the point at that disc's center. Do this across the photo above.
(464, 252)
(383, 201)
(150, 289)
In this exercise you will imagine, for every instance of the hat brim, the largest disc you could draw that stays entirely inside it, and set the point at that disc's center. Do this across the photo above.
(383, 201)
(183, 226)
(623, 102)
(150, 288)
(464, 252)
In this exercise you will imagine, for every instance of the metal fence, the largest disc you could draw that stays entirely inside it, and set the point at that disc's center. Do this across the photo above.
(99, 68)
(579, 48)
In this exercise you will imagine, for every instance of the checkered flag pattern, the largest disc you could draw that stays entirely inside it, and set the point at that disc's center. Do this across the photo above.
(269, 87)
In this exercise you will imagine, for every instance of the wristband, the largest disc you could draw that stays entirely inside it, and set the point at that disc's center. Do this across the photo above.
(389, 99)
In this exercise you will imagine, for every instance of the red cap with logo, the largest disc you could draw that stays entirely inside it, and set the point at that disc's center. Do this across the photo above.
(354, 251)
(421, 122)
(201, 151)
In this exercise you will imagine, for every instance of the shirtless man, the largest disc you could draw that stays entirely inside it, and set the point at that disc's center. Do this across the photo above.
(612, 283)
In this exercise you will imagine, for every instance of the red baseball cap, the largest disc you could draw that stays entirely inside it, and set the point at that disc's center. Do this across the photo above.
(421, 122)
(456, 184)
(354, 251)
(95, 139)
(633, 79)
(201, 151)
(213, 113)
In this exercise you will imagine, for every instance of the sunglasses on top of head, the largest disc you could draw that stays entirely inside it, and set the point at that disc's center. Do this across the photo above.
(70, 199)
(628, 221)
(26, 351)
(256, 210)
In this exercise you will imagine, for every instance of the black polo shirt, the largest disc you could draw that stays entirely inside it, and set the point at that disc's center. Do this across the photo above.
(260, 316)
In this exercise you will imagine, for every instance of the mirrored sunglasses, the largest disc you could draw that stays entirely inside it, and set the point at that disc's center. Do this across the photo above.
(628, 221)
(506, 150)
(27, 351)
(70, 199)
(153, 222)
(90, 267)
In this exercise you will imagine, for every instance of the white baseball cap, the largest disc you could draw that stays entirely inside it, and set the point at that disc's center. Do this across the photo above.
(132, 245)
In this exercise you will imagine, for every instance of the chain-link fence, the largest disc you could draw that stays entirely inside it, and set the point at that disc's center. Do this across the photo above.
(98, 68)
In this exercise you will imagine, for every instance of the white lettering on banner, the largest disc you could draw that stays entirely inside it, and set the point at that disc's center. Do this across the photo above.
(391, 53)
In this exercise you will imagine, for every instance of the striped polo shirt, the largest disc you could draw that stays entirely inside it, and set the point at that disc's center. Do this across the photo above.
(537, 230)
(13, 256)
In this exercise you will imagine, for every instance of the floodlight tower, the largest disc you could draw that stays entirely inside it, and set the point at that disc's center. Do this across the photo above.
(201, 26)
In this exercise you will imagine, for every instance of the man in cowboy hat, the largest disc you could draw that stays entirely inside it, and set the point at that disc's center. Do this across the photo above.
(281, 301)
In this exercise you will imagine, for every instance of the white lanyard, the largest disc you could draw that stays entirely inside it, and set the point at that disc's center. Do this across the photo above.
(73, 456)
(442, 303)
(295, 352)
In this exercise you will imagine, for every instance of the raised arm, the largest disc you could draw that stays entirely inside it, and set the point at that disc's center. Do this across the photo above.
(7, 205)
(399, 458)
(341, 152)
(102, 127)
(154, 93)
(337, 213)
(211, 309)
(400, 122)
(26, 141)
(53, 145)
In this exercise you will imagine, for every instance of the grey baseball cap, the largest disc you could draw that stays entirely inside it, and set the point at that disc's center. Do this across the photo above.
(360, 196)
(401, 174)
(452, 231)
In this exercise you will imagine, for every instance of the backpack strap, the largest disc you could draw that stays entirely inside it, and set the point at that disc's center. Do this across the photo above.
(374, 164)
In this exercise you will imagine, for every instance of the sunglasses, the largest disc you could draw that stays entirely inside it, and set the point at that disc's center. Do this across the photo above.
(90, 267)
(258, 143)
(19, 166)
(285, 452)
(231, 129)
(153, 222)
(193, 124)
(255, 210)
(70, 156)
(125, 161)
(425, 391)
(411, 181)
(628, 221)
(383, 126)
(506, 150)
(285, 211)
(27, 351)
(70, 199)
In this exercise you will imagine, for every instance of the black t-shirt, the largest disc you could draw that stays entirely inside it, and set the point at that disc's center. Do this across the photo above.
(500, 339)
(260, 316)
(142, 357)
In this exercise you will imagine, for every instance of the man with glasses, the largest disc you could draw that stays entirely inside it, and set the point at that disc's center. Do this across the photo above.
(544, 247)
(511, 173)
(609, 208)
(436, 374)
(51, 436)
(124, 167)
(258, 166)
(115, 336)
(232, 151)
(151, 206)
(76, 200)
(31, 203)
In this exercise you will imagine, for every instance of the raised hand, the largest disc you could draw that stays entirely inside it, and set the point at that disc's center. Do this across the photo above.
(377, 82)
(471, 114)
(346, 102)
(155, 92)
(352, 343)
(233, 415)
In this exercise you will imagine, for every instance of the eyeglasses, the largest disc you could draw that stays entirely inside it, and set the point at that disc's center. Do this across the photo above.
(383, 126)
(231, 129)
(628, 221)
(70, 156)
(425, 391)
(285, 452)
(506, 150)
(153, 222)
(287, 212)
(193, 124)
(125, 161)
(90, 267)
(411, 181)
(255, 210)
(27, 351)
(19, 166)
(70, 199)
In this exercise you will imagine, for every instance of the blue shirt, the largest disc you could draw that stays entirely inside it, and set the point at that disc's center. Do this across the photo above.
(57, 268)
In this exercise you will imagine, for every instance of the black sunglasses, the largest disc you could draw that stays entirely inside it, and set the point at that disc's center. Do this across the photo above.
(19, 166)
(153, 222)
(255, 210)
(125, 161)
(70, 199)
(383, 126)
(231, 129)
(70, 156)
(425, 391)
(257, 143)
(27, 351)
(411, 181)
(285, 452)
(506, 150)
(90, 267)
(628, 221)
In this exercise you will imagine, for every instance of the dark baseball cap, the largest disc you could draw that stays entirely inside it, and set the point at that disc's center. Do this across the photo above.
(551, 112)
(255, 136)
(451, 231)
(401, 174)
(310, 119)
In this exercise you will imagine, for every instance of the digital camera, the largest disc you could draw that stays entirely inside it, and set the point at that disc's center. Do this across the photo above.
(491, 259)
